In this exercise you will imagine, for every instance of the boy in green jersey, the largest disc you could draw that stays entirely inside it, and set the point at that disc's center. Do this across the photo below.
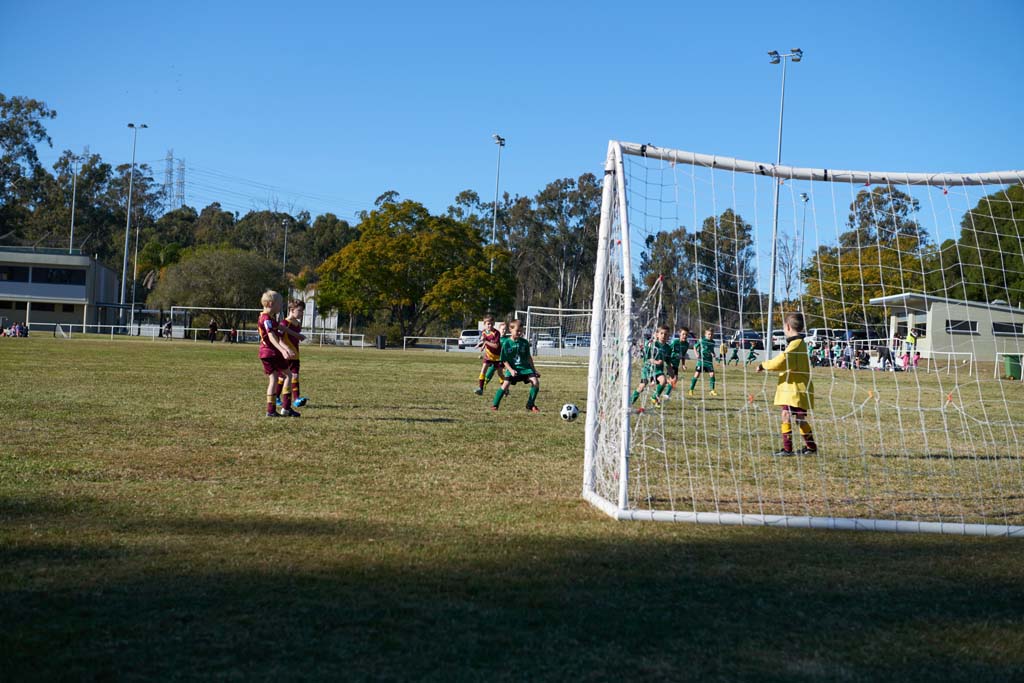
(735, 355)
(677, 358)
(656, 357)
(752, 354)
(705, 350)
(515, 356)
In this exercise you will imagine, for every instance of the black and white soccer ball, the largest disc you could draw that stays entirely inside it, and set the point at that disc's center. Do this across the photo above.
(570, 412)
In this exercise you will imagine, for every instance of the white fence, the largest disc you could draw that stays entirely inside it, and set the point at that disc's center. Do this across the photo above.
(194, 334)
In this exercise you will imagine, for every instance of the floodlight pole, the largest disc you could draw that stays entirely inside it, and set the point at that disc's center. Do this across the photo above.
(284, 258)
(796, 54)
(500, 142)
(128, 223)
(74, 192)
(804, 197)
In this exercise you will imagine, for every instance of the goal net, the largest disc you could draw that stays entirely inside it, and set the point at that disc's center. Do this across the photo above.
(557, 331)
(897, 275)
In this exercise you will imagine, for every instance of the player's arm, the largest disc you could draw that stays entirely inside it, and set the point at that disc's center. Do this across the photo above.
(780, 362)
(292, 333)
(275, 339)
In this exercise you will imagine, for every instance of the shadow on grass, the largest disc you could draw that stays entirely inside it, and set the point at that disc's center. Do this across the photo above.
(943, 456)
(270, 598)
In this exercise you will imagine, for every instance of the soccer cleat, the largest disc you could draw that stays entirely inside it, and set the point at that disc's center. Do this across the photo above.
(533, 409)
(655, 401)
(290, 413)
(271, 415)
(782, 452)
(808, 451)
(278, 401)
(494, 408)
(690, 393)
(300, 401)
(714, 393)
(478, 391)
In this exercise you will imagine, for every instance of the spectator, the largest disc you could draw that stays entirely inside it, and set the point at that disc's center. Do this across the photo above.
(213, 330)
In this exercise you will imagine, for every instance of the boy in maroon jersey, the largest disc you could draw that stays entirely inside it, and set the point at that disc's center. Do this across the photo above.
(274, 354)
(291, 328)
(490, 341)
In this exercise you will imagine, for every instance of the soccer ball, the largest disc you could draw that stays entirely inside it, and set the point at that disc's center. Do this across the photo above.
(570, 412)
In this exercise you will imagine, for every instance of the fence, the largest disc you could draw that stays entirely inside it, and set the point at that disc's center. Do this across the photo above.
(193, 334)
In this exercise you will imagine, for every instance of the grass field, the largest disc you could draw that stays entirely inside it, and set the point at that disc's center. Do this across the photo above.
(154, 526)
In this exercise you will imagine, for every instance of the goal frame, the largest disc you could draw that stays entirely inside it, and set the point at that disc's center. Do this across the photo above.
(614, 207)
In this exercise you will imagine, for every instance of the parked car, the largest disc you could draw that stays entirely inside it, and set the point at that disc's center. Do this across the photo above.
(545, 340)
(863, 334)
(744, 338)
(577, 341)
(819, 335)
(778, 340)
(469, 338)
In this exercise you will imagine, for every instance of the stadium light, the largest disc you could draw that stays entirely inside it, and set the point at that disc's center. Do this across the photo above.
(500, 142)
(796, 54)
(128, 223)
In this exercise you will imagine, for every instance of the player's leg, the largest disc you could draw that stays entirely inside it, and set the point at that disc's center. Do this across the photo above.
(480, 380)
(711, 376)
(673, 374)
(804, 425)
(271, 391)
(489, 373)
(693, 382)
(787, 433)
(500, 393)
(534, 390)
(662, 383)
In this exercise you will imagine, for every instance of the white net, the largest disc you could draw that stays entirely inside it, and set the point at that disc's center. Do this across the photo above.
(911, 286)
(557, 331)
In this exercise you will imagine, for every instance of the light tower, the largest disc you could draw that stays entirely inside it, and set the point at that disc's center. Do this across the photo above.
(128, 222)
(795, 54)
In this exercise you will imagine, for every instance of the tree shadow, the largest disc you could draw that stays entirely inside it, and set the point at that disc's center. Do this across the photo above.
(268, 598)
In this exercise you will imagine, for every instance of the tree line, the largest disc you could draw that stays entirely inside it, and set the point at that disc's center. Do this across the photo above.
(402, 270)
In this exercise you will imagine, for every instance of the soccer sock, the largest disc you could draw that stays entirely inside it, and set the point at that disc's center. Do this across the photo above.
(668, 387)
(489, 374)
(286, 402)
(659, 390)
(295, 387)
(270, 404)
(787, 436)
(480, 381)
(636, 395)
(498, 395)
(805, 431)
(533, 395)
(280, 386)
(712, 382)
(693, 383)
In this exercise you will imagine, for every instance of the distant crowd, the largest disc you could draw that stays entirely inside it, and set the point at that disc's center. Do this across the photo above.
(15, 330)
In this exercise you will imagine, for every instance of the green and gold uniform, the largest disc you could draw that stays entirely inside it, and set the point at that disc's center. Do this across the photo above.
(516, 352)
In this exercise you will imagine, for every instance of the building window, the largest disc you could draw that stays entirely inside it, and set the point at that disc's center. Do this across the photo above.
(6, 305)
(962, 326)
(19, 305)
(13, 274)
(58, 276)
(43, 308)
(67, 308)
(1008, 329)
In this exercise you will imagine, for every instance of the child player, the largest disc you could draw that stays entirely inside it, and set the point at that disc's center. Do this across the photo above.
(490, 340)
(515, 356)
(794, 393)
(656, 357)
(291, 329)
(273, 352)
(677, 358)
(751, 354)
(735, 355)
(705, 350)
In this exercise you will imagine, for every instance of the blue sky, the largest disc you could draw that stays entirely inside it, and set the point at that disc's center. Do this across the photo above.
(324, 106)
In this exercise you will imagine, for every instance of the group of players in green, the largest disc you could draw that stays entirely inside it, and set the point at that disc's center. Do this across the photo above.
(662, 361)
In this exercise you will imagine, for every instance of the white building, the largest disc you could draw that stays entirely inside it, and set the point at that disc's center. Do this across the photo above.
(955, 326)
(45, 287)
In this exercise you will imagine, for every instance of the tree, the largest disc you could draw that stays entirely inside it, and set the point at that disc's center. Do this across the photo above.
(311, 247)
(666, 256)
(214, 225)
(987, 261)
(882, 252)
(413, 268)
(724, 270)
(21, 129)
(217, 278)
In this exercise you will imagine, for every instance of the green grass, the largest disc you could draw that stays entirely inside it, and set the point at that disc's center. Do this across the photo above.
(155, 527)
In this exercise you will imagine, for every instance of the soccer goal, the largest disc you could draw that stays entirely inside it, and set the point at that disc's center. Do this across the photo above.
(557, 331)
(951, 362)
(727, 247)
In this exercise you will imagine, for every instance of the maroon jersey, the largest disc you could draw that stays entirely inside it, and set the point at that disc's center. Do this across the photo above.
(291, 342)
(267, 326)
(492, 344)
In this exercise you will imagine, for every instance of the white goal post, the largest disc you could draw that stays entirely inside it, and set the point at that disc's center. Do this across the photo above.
(883, 451)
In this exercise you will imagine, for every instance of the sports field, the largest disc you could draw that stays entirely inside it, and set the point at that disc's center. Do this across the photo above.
(155, 526)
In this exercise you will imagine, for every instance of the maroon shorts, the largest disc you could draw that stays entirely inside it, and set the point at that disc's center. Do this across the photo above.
(293, 366)
(274, 364)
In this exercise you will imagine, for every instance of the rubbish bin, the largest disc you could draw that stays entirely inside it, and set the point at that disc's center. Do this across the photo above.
(1012, 365)
(382, 341)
